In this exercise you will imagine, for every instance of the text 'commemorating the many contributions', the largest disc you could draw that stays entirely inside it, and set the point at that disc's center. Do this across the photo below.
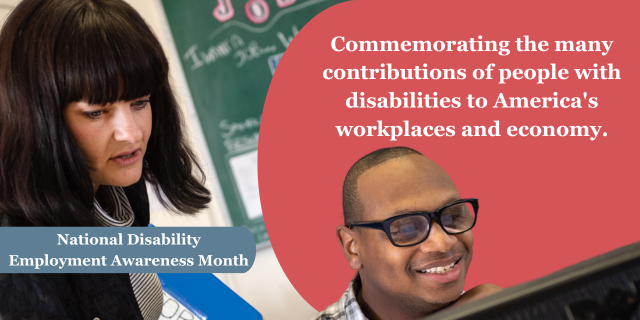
(545, 73)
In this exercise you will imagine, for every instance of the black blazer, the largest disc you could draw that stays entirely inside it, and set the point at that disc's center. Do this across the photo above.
(90, 296)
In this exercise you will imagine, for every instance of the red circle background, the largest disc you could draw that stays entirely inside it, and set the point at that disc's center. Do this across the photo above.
(545, 202)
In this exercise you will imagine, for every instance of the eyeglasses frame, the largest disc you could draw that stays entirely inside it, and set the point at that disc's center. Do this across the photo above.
(385, 225)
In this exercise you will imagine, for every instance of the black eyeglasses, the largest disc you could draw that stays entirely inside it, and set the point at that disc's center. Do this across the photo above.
(410, 229)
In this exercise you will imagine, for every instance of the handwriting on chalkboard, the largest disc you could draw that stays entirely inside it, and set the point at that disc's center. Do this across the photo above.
(251, 52)
(240, 136)
(233, 46)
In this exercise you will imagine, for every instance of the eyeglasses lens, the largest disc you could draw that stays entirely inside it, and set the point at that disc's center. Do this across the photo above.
(413, 229)
(458, 218)
(409, 230)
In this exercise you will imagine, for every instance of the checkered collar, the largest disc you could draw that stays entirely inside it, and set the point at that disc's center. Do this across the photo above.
(347, 307)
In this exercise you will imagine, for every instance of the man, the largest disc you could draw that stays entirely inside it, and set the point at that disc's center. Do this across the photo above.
(407, 233)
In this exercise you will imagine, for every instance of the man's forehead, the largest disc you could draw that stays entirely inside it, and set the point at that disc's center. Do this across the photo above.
(405, 184)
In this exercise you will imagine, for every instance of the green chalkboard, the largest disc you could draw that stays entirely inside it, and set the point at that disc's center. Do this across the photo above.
(229, 51)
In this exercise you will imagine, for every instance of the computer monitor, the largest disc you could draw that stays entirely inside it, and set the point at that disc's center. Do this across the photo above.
(602, 288)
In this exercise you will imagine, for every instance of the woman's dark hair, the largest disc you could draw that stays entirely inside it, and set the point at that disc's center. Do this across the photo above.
(54, 52)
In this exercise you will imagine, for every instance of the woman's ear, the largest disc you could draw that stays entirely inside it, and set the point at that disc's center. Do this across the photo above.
(349, 241)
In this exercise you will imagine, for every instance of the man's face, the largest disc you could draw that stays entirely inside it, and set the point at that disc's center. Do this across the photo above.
(403, 185)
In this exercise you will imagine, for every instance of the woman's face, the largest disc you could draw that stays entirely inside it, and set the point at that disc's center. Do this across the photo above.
(113, 138)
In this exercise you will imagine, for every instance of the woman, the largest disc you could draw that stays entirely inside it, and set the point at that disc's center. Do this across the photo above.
(87, 115)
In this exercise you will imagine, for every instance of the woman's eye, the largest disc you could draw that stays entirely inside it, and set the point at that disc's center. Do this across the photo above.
(140, 103)
(94, 114)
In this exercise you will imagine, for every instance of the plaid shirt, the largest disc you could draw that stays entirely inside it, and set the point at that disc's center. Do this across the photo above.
(347, 307)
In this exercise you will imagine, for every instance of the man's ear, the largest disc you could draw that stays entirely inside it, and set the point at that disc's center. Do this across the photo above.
(347, 239)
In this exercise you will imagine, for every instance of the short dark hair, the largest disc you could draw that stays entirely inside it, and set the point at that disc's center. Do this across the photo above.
(54, 52)
(351, 206)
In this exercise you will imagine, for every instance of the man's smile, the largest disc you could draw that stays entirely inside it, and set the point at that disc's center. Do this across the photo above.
(442, 274)
(440, 269)
(443, 270)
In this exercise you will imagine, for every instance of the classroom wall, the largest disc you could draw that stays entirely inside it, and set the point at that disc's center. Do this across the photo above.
(5, 7)
(265, 286)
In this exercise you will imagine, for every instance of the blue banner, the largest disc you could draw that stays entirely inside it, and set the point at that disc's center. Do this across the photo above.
(126, 250)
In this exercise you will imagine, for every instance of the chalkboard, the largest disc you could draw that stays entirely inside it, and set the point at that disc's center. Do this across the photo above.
(229, 51)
